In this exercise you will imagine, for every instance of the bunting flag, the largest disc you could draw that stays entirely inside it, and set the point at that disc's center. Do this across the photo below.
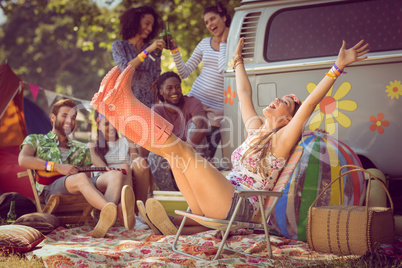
(50, 96)
(34, 90)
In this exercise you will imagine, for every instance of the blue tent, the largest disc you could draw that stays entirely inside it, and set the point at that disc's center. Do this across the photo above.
(36, 120)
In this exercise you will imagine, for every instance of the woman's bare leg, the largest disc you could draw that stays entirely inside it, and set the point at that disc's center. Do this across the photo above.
(201, 184)
(128, 178)
(110, 183)
(187, 191)
(80, 184)
(148, 129)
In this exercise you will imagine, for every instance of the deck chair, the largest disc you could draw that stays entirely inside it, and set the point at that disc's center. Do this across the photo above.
(267, 201)
(69, 209)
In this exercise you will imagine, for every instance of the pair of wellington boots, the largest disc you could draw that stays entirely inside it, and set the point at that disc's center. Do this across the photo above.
(126, 113)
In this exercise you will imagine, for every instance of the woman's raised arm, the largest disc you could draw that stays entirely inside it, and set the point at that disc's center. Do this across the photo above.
(250, 117)
(291, 133)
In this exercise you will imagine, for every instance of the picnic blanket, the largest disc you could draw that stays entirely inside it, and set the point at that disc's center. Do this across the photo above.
(141, 248)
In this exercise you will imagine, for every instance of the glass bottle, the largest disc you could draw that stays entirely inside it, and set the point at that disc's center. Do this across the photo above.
(166, 36)
(11, 215)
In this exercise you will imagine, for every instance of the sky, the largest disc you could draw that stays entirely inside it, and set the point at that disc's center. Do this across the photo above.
(2, 17)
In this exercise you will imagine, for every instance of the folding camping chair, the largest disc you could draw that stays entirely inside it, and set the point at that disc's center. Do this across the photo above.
(267, 201)
(67, 208)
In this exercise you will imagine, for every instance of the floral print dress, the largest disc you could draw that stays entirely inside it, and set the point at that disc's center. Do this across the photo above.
(245, 175)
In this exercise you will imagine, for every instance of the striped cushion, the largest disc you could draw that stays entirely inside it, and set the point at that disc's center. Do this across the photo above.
(43, 222)
(19, 238)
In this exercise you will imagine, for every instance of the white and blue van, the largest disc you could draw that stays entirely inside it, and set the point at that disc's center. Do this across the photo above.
(290, 45)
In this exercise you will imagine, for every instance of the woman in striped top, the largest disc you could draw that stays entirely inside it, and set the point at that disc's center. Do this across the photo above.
(208, 87)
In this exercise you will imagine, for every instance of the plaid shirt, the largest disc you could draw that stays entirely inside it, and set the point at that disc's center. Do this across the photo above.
(46, 148)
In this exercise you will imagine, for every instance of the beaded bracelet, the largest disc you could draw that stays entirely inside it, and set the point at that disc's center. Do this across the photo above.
(237, 60)
(174, 50)
(46, 165)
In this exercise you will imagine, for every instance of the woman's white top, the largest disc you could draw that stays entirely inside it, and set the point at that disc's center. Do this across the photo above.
(208, 87)
(118, 154)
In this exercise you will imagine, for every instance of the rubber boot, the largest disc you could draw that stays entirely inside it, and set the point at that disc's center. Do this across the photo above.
(107, 83)
(127, 114)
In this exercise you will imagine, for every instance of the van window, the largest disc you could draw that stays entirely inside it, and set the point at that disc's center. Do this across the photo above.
(317, 30)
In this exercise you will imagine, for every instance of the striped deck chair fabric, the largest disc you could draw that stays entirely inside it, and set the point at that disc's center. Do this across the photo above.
(267, 201)
(282, 181)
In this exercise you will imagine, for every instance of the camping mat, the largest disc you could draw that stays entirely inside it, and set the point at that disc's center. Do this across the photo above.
(141, 248)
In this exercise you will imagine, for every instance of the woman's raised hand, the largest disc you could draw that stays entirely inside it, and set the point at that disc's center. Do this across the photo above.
(348, 56)
(172, 44)
(239, 48)
(158, 43)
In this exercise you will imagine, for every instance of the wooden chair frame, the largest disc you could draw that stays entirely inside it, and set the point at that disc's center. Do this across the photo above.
(68, 208)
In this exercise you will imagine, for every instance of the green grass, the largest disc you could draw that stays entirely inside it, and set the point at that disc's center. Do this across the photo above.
(18, 260)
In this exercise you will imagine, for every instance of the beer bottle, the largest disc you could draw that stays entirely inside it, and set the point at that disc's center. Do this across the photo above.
(166, 36)
(11, 215)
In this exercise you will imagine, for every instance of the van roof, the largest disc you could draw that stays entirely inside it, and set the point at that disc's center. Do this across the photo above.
(247, 4)
(275, 2)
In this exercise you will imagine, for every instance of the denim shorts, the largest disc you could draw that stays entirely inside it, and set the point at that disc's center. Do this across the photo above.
(59, 187)
(245, 212)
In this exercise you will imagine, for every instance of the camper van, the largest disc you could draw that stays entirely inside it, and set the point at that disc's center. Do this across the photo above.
(290, 45)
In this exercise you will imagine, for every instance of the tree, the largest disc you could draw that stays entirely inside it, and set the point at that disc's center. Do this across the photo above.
(186, 24)
(65, 45)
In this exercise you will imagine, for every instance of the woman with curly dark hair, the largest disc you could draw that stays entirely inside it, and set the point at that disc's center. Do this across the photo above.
(138, 27)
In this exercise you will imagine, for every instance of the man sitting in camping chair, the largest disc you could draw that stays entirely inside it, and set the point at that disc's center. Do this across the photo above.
(56, 152)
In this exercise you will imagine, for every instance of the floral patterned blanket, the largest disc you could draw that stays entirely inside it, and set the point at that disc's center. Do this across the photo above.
(141, 248)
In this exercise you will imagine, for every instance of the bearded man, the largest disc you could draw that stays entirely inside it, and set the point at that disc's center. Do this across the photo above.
(57, 152)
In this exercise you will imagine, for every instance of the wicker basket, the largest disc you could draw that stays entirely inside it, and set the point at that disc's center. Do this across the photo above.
(349, 230)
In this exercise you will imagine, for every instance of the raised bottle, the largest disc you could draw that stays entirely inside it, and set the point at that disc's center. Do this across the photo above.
(167, 37)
